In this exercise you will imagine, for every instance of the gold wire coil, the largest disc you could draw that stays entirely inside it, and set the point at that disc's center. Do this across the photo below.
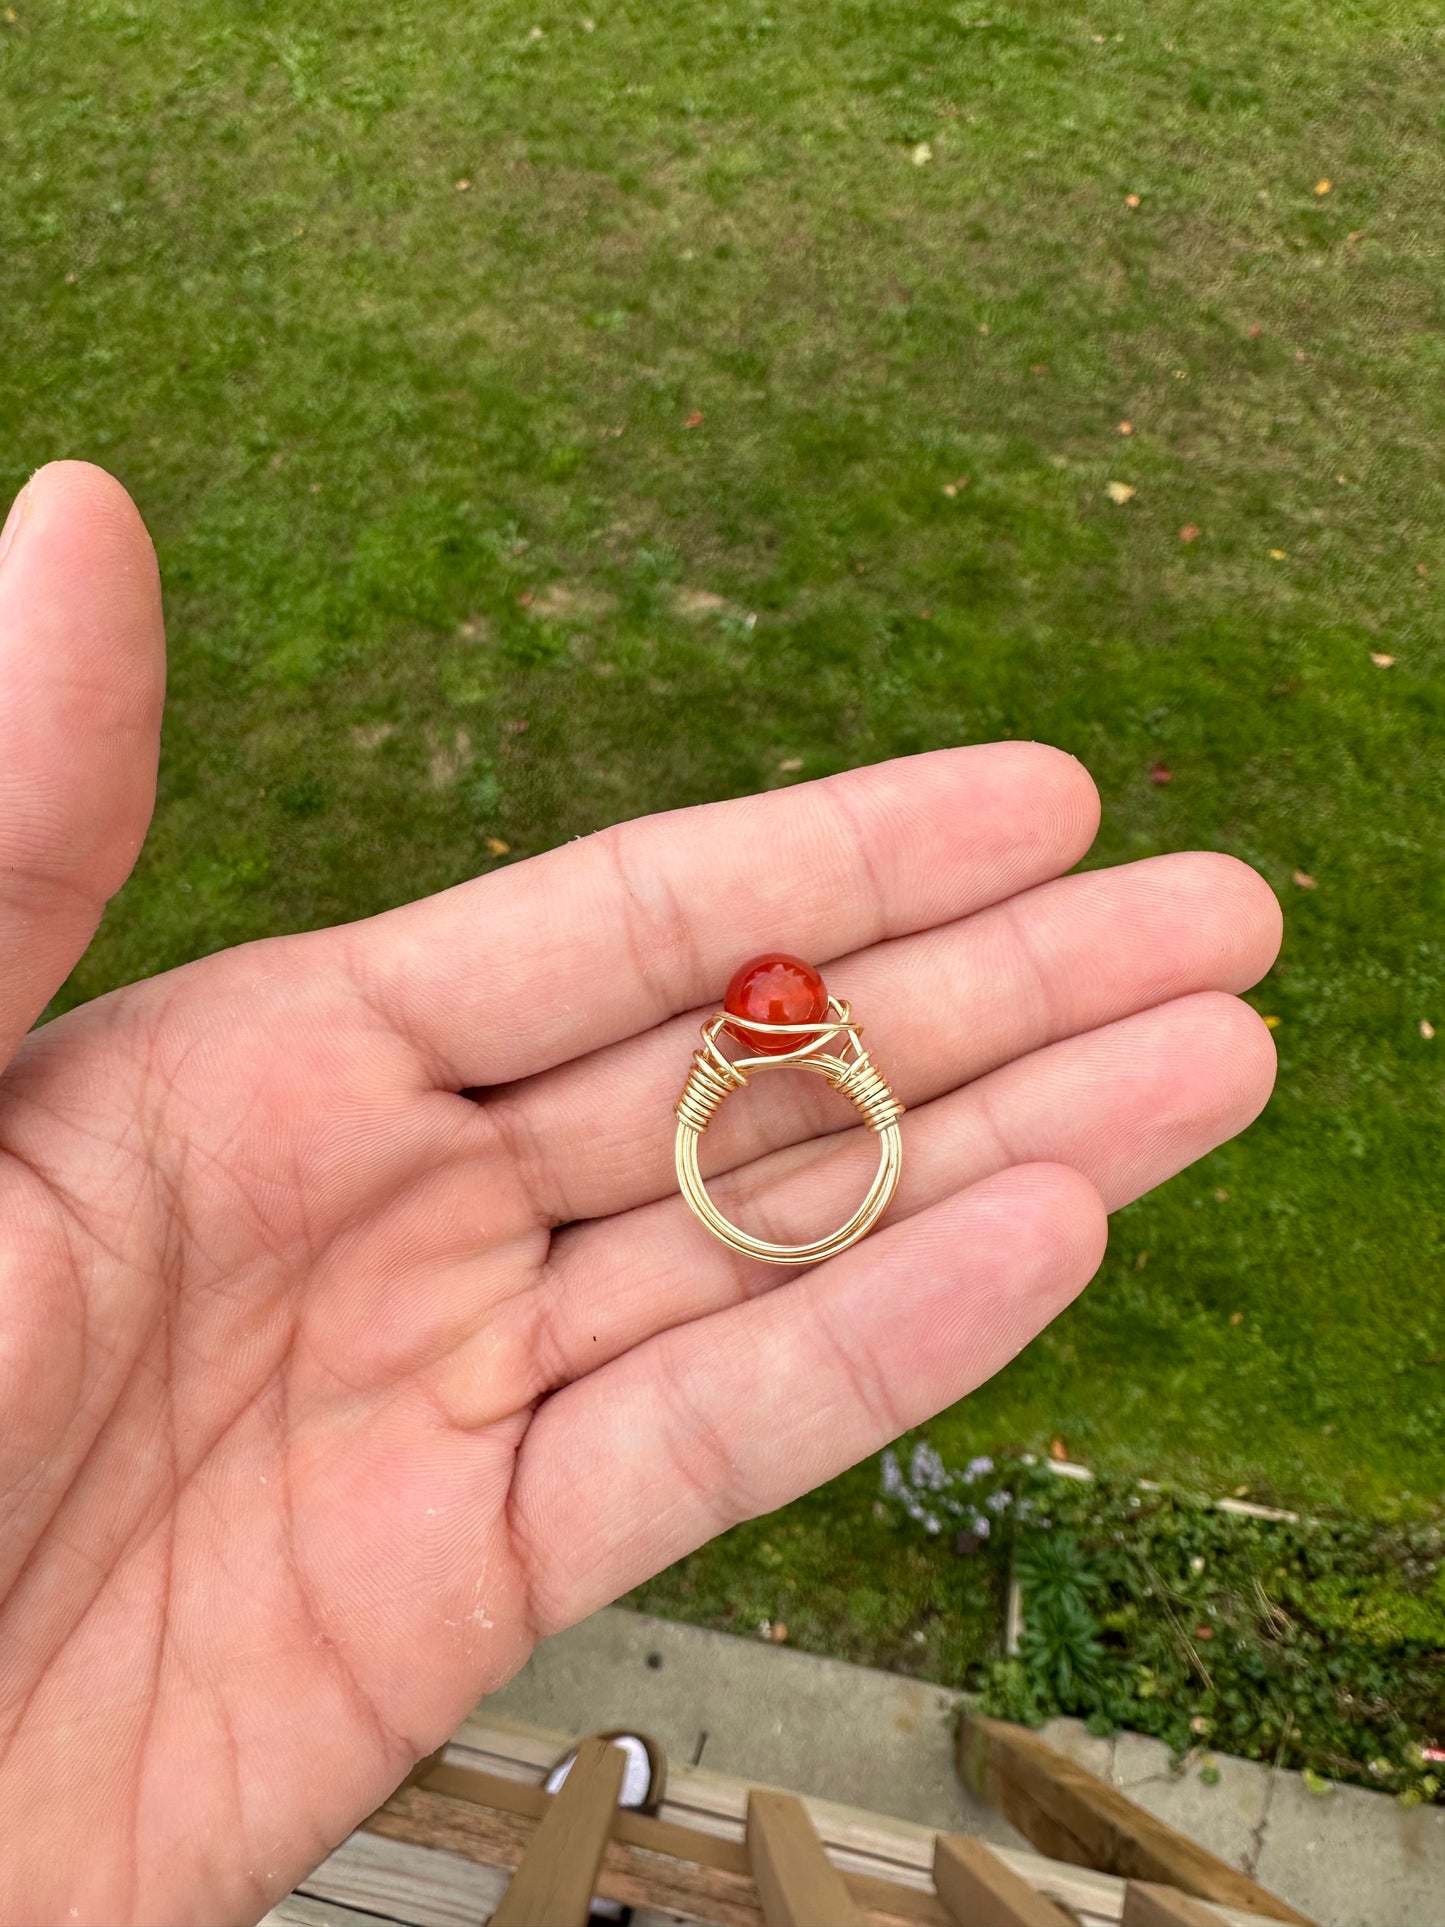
(714, 1076)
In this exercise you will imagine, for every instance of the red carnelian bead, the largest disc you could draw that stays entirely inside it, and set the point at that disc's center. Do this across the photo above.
(775, 989)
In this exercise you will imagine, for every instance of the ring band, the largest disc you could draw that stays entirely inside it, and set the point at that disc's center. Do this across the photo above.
(714, 1076)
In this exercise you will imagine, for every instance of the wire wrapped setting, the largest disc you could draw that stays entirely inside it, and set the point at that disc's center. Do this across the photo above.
(714, 1076)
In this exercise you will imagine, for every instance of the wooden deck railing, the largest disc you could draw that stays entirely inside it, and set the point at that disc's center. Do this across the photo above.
(564, 1849)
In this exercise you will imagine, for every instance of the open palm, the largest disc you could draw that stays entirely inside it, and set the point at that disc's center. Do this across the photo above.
(352, 1333)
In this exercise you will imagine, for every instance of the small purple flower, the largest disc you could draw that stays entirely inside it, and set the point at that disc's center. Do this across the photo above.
(927, 1468)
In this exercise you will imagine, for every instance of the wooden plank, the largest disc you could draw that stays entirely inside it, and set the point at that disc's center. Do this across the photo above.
(699, 1797)
(634, 1829)
(980, 1891)
(629, 1873)
(875, 1843)
(405, 1882)
(554, 1884)
(1148, 1905)
(648, 1863)
(1070, 1814)
(886, 1903)
(896, 1852)
(303, 1910)
(797, 1883)
(698, 1802)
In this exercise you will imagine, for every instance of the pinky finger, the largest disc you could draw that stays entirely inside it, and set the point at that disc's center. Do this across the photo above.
(739, 1412)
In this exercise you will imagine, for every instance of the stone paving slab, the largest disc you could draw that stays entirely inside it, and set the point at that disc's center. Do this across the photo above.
(1350, 1858)
(1225, 1817)
(1353, 1856)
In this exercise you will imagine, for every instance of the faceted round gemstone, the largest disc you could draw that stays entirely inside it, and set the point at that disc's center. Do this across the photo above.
(775, 989)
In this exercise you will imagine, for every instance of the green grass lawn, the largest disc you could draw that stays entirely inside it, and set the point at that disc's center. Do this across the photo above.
(395, 322)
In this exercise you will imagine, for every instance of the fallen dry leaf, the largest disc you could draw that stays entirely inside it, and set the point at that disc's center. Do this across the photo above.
(1126, 428)
(950, 489)
(1160, 773)
(1323, 186)
(695, 419)
(1204, 1632)
(1381, 662)
(1299, 354)
(780, 1631)
(983, 327)
(922, 154)
(462, 186)
(1038, 368)
(1189, 533)
(1131, 200)
(1355, 234)
(1057, 1448)
(1427, 1029)
(496, 847)
(1279, 555)
(1236, 1318)
(1273, 1023)
(1221, 1196)
(790, 763)
(1120, 492)
(1254, 331)
(1304, 881)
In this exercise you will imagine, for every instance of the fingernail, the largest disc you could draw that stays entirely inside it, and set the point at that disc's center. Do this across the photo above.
(18, 510)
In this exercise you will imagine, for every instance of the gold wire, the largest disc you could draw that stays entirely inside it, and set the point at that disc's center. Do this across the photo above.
(714, 1076)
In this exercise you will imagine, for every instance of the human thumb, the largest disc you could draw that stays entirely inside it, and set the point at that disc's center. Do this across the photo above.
(82, 683)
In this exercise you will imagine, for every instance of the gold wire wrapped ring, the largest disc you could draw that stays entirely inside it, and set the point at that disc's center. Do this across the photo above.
(786, 1046)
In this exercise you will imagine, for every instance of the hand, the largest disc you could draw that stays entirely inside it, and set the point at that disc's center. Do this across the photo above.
(352, 1333)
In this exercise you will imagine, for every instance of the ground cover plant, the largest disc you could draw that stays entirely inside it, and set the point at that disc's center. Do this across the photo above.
(1311, 1643)
(547, 416)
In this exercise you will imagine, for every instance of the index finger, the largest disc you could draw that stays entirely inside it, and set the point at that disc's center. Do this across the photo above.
(513, 972)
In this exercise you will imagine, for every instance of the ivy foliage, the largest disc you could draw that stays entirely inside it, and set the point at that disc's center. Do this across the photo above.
(1316, 1644)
